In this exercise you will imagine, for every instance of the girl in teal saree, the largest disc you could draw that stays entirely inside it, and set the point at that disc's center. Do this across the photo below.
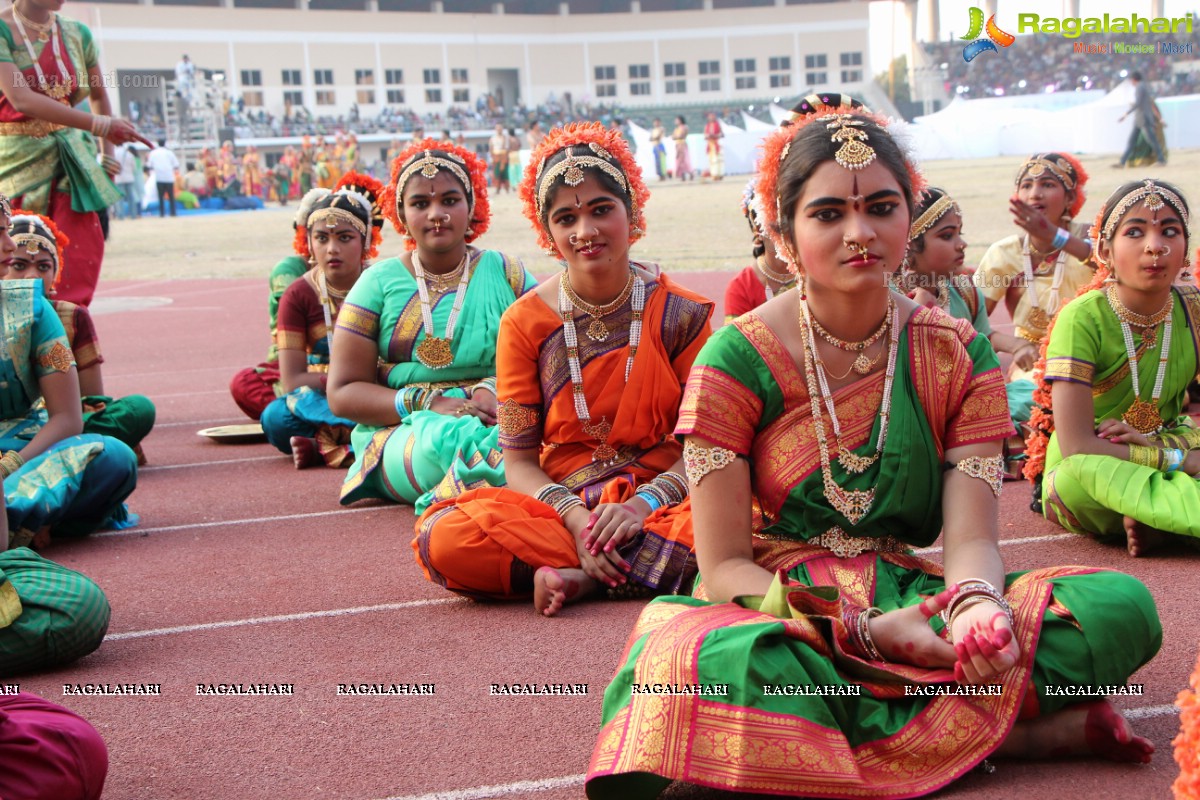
(813, 658)
(1120, 462)
(414, 361)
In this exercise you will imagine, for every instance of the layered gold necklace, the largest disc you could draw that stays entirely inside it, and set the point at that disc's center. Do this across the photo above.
(853, 504)
(863, 364)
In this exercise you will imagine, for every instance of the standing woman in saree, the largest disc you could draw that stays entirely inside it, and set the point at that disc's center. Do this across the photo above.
(590, 372)
(864, 425)
(1036, 271)
(683, 156)
(343, 233)
(414, 359)
(39, 256)
(1123, 455)
(48, 65)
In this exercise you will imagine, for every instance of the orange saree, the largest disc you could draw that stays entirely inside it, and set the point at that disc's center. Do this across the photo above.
(488, 542)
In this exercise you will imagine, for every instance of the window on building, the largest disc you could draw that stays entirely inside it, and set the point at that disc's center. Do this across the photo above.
(326, 97)
(291, 77)
(710, 68)
(458, 76)
(294, 97)
(852, 76)
(816, 78)
(852, 59)
(462, 95)
(395, 97)
(323, 77)
(641, 88)
(433, 76)
(637, 71)
(710, 84)
(676, 87)
(780, 63)
(781, 81)
(675, 69)
(254, 98)
(744, 65)
(365, 97)
(252, 77)
(606, 73)
(433, 95)
(815, 61)
(364, 77)
(606, 90)
(393, 76)
(745, 82)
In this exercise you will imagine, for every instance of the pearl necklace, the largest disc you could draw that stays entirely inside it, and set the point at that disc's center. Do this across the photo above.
(786, 280)
(1036, 316)
(853, 504)
(604, 453)
(62, 87)
(1143, 416)
(328, 296)
(434, 351)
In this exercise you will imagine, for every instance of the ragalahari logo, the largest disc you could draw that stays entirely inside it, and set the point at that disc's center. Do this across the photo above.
(995, 36)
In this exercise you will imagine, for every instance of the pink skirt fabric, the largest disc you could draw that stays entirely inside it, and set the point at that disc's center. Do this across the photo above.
(48, 752)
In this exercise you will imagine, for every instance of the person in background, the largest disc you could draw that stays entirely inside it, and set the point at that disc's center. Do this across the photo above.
(1146, 122)
(165, 166)
(125, 179)
(712, 143)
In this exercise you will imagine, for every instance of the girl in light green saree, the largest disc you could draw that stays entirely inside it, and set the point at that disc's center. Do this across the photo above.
(414, 356)
(1121, 462)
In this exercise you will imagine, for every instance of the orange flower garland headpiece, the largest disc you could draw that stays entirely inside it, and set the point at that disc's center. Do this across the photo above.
(36, 233)
(354, 201)
(300, 223)
(845, 121)
(372, 189)
(427, 157)
(1065, 168)
(606, 151)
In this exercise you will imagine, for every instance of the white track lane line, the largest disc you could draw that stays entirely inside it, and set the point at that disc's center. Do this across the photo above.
(305, 615)
(228, 522)
(571, 781)
(1053, 537)
(192, 371)
(190, 394)
(197, 422)
(277, 457)
(501, 790)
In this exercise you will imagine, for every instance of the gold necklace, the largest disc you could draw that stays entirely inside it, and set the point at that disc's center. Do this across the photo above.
(1126, 314)
(597, 331)
(444, 282)
(41, 28)
(862, 364)
(1143, 416)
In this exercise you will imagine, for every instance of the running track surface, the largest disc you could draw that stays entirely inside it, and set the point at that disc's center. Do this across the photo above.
(245, 570)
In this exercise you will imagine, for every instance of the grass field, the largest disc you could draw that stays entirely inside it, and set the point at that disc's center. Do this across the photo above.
(692, 226)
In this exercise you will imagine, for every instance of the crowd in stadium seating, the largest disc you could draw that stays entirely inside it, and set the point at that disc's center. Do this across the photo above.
(1048, 63)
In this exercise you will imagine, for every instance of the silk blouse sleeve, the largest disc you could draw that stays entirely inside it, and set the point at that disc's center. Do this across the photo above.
(518, 385)
(723, 400)
(1074, 344)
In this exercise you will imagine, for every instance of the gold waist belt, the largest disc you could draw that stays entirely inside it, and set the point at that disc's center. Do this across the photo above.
(843, 545)
(37, 128)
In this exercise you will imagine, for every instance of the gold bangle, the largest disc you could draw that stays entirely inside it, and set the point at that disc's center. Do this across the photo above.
(1145, 456)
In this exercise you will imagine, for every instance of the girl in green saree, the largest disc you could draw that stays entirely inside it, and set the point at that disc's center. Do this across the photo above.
(813, 658)
(414, 361)
(1121, 462)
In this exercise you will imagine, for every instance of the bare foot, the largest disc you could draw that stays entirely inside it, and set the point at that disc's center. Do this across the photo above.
(554, 588)
(41, 538)
(1094, 728)
(304, 452)
(1141, 540)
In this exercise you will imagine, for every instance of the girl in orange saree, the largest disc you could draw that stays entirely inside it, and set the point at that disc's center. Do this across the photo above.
(588, 401)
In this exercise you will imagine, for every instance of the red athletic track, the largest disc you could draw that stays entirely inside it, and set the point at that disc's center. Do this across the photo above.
(225, 538)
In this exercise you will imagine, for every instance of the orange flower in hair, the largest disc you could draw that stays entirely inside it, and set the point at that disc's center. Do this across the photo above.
(470, 164)
(603, 143)
(60, 239)
(775, 148)
(1187, 743)
(373, 190)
